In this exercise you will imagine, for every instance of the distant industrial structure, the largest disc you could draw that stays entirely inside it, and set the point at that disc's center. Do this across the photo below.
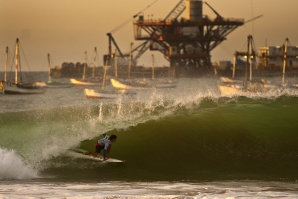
(268, 60)
(186, 42)
(272, 57)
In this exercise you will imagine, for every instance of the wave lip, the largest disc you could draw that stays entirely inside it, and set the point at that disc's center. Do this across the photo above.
(12, 166)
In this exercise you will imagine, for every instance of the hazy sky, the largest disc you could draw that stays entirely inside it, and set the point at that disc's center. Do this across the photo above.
(68, 28)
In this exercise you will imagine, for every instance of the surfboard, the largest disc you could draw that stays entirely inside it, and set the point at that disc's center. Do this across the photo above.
(80, 153)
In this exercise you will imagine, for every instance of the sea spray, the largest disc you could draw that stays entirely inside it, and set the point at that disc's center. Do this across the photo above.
(191, 127)
(12, 166)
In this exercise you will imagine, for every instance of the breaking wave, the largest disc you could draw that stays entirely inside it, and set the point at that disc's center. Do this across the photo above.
(12, 166)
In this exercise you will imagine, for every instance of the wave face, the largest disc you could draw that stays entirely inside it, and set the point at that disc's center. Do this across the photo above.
(189, 133)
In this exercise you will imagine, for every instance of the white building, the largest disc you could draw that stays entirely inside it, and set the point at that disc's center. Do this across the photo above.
(272, 56)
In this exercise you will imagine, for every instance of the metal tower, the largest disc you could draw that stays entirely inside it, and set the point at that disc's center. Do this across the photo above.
(186, 42)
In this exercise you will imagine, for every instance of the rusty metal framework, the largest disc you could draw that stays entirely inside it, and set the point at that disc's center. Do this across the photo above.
(185, 43)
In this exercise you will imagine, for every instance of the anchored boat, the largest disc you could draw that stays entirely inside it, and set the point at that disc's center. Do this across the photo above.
(17, 87)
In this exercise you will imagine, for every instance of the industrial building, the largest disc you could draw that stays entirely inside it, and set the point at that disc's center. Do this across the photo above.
(272, 57)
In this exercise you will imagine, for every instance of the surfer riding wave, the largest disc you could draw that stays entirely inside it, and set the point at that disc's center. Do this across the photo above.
(105, 144)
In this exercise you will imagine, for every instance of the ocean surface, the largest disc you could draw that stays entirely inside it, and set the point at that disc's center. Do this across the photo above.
(184, 142)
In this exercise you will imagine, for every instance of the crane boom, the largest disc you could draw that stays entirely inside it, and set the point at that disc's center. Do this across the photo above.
(254, 18)
(111, 39)
(177, 10)
(217, 14)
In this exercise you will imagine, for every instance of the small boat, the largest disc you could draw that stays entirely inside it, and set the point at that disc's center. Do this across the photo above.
(231, 89)
(1, 87)
(19, 87)
(139, 85)
(84, 83)
(246, 85)
(237, 89)
(51, 84)
(5, 68)
(90, 93)
(126, 85)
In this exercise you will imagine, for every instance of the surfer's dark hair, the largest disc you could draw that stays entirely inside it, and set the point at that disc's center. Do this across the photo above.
(112, 137)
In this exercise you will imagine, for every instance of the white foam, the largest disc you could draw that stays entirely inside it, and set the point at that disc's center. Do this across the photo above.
(12, 166)
(146, 190)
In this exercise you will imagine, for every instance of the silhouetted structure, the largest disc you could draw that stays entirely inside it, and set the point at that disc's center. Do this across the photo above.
(186, 42)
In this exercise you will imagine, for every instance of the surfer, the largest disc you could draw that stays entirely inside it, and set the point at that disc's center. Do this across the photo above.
(105, 144)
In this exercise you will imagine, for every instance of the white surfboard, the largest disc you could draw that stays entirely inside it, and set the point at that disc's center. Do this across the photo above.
(80, 153)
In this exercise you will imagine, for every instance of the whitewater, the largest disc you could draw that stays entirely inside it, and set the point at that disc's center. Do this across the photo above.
(184, 142)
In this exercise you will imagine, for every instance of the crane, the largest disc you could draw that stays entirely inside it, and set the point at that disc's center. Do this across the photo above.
(144, 46)
(112, 40)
